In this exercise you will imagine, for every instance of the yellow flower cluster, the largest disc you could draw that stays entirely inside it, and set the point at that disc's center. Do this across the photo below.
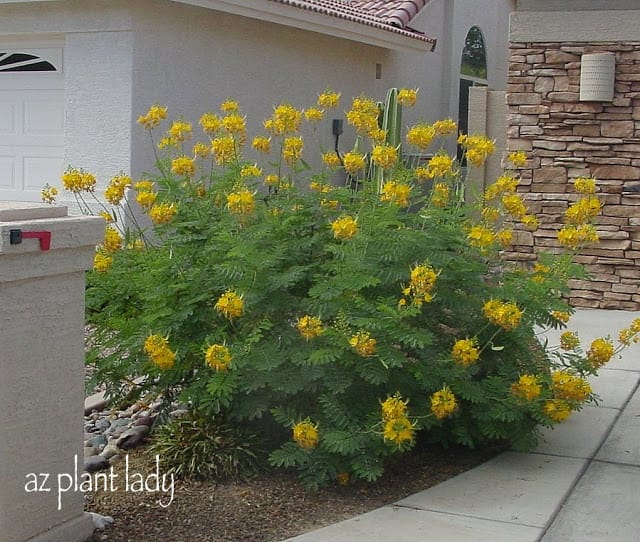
(230, 304)
(583, 210)
(218, 357)
(503, 184)
(183, 165)
(517, 158)
(421, 283)
(477, 148)
(421, 135)
(631, 334)
(443, 403)
(397, 426)
(112, 240)
(224, 149)
(570, 387)
(157, 348)
(573, 236)
(313, 114)
(116, 188)
(271, 180)
(310, 327)
(328, 99)
(201, 150)
(78, 180)
(363, 343)
(504, 237)
(179, 131)
(600, 352)
(320, 187)
(210, 123)
(229, 106)
(557, 410)
(408, 96)
(250, 171)
(153, 117)
(262, 144)
(561, 316)
(507, 315)
(292, 149)
(465, 351)
(440, 195)
(585, 185)
(145, 195)
(514, 205)
(384, 156)
(481, 237)
(241, 202)
(331, 160)
(285, 120)
(354, 162)
(305, 434)
(344, 227)
(527, 387)
(363, 115)
(235, 124)
(162, 213)
(48, 194)
(102, 261)
(569, 340)
(440, 165)
(396, 192)
(445, 127)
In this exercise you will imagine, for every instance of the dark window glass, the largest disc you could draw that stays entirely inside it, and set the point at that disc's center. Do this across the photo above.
(42, 66)
(474, 55)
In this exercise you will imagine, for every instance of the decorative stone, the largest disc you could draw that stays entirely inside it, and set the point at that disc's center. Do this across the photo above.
(95, 463)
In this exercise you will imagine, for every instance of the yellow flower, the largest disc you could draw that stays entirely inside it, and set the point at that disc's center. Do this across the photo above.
(393, 407)
(210, 123)
(230, 304)
(421, 135)
(507, 315)
(569, 340)
(585, 185)
(229, 106)
(313, 114)
(490, 214)
(78, 180)
(363, 115)
(271, 180)
(183, 165)
(363, 343)
(262, 144)
(224, 149)
(465, 351)
(343, 478)
(234, 124)
(180, 131)
(527, 387)
(292, 149)
(505, 238)
(398, 430)
(323, 188)
(570, 387)
(305, 434)
(445, 127)
(440, 195)
(331, 160)
(144, 186)
(628, 335)
(146, 199)
(157, 348)
(514, 205)
(557, 410)
(218, 357)
(561, 316)
(421, 284)
(108, 217)
(344, 227)
(241, 202)
(440, 165)
(573, 236)
(478, 148)
(583, 210)
(202, 150)
(384, 156)
(443, 403)
(353, 162)
(530, 222)
(395, 192)
(481, 237)
(153, 117)
(328, 99)
(329, 203)
(600, 352)
(285, 120)
(378, 135)
(250, 171)
(504, 183)
(112, 240)
(310, 327)
(162, 213)
(517, 158)
(102, 262)
(116, 188)
(407, 96)
(48, 194)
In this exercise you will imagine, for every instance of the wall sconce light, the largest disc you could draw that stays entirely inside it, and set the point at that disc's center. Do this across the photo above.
(597, 77)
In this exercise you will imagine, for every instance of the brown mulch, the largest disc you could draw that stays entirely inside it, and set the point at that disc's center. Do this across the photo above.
(267, 508)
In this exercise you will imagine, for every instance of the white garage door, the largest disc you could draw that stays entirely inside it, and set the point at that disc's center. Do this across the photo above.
(31, 121)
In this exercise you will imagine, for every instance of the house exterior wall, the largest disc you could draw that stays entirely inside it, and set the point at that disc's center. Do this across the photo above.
(566, 138)
(97, 38)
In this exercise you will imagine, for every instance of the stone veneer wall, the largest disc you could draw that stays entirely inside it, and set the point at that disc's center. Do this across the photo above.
(564, 139)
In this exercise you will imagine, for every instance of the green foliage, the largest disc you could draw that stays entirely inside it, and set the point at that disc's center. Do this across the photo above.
(341, 323)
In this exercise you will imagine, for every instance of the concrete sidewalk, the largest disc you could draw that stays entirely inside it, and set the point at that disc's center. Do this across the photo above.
(582, 483)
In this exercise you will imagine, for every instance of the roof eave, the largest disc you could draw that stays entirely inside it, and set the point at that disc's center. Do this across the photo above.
(316, 22)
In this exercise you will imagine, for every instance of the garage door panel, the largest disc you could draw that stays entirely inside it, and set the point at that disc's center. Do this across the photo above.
(8, 173)
(44, 117)
(41, 170)
(7, 117)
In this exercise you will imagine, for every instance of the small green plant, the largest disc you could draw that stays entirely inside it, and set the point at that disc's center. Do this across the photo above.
(200, 447)
(356, 316)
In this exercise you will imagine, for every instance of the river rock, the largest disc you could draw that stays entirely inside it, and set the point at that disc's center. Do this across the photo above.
(95, 463)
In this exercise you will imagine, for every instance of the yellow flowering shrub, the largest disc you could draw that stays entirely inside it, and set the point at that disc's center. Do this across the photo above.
(361, 305)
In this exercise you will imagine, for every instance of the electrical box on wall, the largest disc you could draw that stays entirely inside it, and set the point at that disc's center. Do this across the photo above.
(597, 77)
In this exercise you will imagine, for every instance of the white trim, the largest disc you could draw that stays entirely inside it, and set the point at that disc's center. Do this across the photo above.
(314, 22)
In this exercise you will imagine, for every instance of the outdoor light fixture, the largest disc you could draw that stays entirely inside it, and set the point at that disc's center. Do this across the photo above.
(597, 77)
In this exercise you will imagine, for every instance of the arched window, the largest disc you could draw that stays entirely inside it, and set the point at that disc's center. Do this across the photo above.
(24, 62)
